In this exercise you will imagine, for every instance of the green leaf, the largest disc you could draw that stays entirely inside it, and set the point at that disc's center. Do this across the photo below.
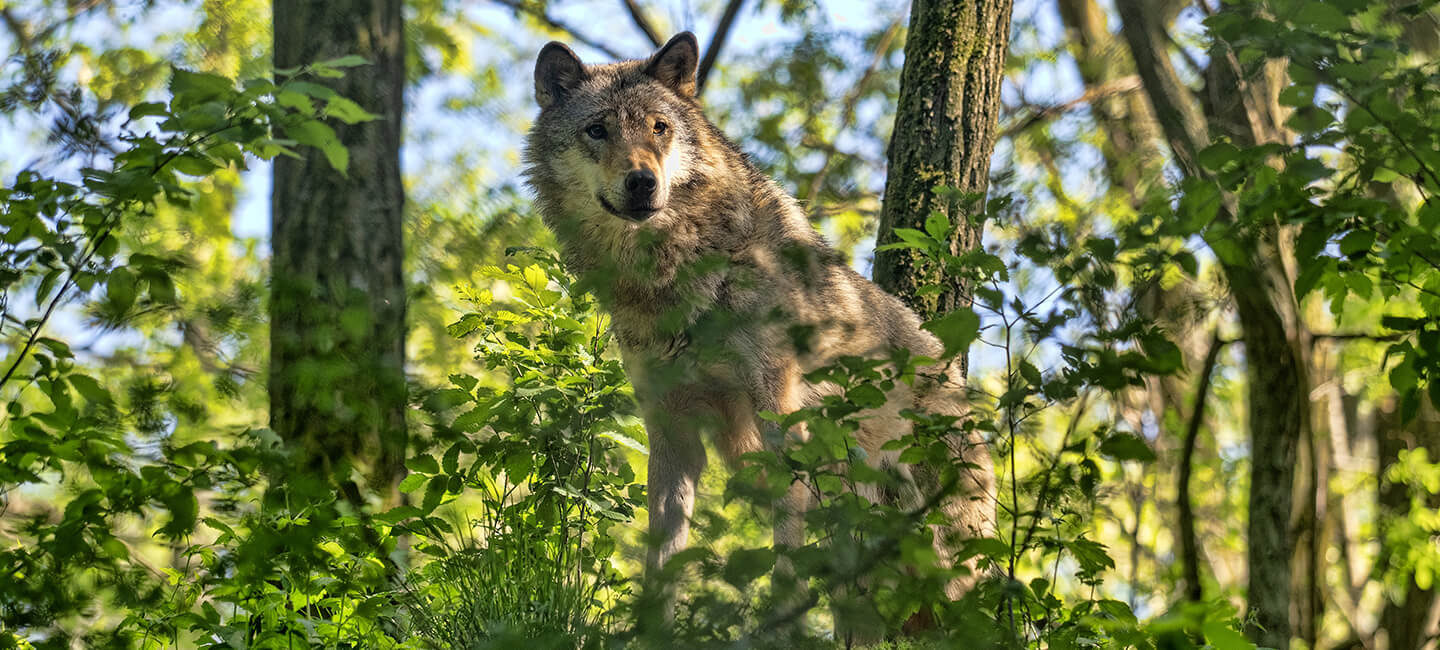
(120, 287)
(1127, 446)
(347, 61)
(467, 324)
(1091, 555)
(47, 285)
(747, 565)
(317, 134)
(626, 441)
(194, 88)
(434, 492)
(1311, 272)
(1103, 248)
(89, 388)
(865, 396)
(413, 482)
(1031, 373)
(147, 109)
(1216, 156)
(446, 399)
(296, 101)
(347, 111)
(465, 382)
(1163, 355)
(916, 239)
(162, 288)
(937, 225)
(423, 465)
(193, 164)
(956, 330)
(1222, 637)
(1321, 15)
(1358, 242)
(472, 420)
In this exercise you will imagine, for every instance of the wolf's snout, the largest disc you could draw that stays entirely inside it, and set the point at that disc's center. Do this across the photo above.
(640, 184)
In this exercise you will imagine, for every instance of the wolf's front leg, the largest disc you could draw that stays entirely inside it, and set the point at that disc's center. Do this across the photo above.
(790, 507)
(677, 456)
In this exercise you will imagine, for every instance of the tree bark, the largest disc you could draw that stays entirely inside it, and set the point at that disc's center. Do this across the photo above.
(944, 136)
(1189, 541)
(337, 305)
(1269, 318)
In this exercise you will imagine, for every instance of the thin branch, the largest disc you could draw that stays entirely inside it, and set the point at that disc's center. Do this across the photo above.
(1189, 544)
(88, 253)
(717, 42)
(1355, 336)
(1121, 86)
(847, 111)
(539, 13)
(1175, 106)
(642, 21)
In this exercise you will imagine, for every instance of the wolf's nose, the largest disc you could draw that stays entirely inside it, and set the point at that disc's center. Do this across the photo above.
(640, 182)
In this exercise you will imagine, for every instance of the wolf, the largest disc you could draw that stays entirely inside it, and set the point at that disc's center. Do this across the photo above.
(722, 295)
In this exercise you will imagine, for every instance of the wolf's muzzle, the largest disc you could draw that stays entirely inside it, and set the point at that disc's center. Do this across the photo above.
(641, 185)
(630, 213)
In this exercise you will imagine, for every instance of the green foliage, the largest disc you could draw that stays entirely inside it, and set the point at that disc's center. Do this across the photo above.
(1413, 555)
(135, 517)
(112, 467)
(1363, 235)
(539, 465)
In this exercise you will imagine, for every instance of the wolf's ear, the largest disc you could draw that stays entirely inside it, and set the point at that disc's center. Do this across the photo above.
(674, 65)
(557, 72)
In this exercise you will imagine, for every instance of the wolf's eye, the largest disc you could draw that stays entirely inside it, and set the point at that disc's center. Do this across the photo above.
(661, 127)
(596, 131)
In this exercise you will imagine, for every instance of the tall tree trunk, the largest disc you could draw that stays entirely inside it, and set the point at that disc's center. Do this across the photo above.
(1269, 318)
(944, 135)
(337, 306)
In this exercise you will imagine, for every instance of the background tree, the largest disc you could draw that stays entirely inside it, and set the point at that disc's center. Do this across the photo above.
(337, 305)
(1260, 286)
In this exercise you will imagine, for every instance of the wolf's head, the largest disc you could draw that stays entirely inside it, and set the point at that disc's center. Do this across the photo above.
(616, 137)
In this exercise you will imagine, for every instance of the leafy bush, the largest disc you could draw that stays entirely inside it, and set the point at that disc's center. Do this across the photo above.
(538, 462)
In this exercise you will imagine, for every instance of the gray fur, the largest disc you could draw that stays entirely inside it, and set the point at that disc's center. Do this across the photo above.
(709, 290)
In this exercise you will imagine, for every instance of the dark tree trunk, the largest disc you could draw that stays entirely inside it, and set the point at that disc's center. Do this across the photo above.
(337, 307)
(944, 135)
(1278, 397)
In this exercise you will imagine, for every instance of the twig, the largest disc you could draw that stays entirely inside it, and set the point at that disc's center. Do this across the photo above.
(539, 13)
(1188, 542)
(643, 22)
(847, 112)
(712, 51)
(86, 254)
(1121, 86)
(1355, 336)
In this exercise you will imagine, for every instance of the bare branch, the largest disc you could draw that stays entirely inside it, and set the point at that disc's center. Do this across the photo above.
(1188, 542)
(847, 112)
(1121, 86)
(1175, 106)
(539, 13)
(1355, 336)
(717, 42)
(643, 22)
